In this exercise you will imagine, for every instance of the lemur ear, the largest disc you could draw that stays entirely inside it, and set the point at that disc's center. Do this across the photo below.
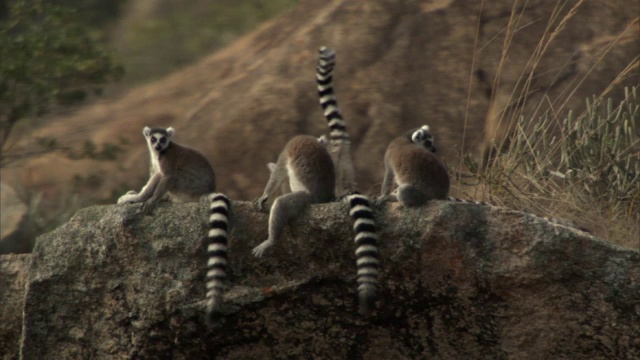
(146, 131)
(170, 131)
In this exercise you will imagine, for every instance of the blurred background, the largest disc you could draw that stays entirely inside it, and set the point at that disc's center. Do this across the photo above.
(533, 104)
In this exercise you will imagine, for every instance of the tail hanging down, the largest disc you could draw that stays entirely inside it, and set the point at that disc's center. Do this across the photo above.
(366, 251)
(217, 252)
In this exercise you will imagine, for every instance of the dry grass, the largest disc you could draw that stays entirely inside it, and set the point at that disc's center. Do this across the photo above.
(587, 170)
(584, 168)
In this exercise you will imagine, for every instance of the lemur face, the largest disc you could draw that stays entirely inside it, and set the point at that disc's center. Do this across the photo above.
(423, 137)
(158, 139)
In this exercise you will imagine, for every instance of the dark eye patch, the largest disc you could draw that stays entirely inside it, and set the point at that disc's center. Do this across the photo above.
(163, 140)
(153, 140)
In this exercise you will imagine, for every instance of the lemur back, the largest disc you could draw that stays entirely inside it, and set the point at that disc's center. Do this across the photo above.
(410, 162)
(339, 141)
(309, 168)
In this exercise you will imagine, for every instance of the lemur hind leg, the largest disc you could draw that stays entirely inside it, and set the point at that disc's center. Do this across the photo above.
(411, 196)
(285, 208)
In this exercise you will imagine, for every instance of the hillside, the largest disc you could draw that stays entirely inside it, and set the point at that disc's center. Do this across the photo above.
(401, 64)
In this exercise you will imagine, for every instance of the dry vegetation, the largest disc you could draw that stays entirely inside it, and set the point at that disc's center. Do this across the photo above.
(584, 168)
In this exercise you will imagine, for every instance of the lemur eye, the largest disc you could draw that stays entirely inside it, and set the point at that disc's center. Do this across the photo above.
(153, 140)
(163, 140)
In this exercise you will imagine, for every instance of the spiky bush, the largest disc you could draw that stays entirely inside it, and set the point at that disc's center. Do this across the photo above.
(585, 168)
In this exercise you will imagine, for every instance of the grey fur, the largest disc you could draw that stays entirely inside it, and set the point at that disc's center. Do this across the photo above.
(311, 175)
(180, 171)
(410, 163)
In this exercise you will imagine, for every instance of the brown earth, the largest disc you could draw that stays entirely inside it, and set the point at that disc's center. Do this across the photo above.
(401, 64)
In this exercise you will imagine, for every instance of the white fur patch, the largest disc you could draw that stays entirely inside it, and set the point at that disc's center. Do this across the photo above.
(218, 217)
(217, 232)
(367, 260)
(359, 208)
(216, 247)
(214, 272)
(364, 248)
(127, 198)
(361, 221)
(367, 272)
(365, 234)
(294, 182)
(213, 261)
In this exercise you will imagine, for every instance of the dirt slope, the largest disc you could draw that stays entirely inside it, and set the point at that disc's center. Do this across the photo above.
(400, 64)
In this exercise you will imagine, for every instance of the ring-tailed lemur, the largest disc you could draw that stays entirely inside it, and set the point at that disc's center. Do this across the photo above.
(310, 170)
(175, 169)
(339, 142)
(187, 175)
(410, 162)
(427, 178)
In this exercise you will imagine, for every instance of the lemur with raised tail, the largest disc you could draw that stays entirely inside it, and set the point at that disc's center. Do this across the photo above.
(410, 161)
(186, 174)
(310, 170)
(339, 142)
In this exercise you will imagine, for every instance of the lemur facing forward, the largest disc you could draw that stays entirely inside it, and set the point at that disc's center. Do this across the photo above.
(310, 170)
(339, 142)
(186, 174)
(410, 160)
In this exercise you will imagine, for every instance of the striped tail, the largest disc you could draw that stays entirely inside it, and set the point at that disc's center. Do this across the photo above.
(366, 251)
(217, 252)
(324, 80)
(553, 220)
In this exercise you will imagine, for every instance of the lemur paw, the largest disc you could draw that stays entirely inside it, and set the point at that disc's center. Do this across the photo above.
(259, 250)
(129, 197)
(260, 204)
(380, 201)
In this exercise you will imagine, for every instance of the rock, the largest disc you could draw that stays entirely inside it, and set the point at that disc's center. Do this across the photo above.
(458, 281)
(13, 277)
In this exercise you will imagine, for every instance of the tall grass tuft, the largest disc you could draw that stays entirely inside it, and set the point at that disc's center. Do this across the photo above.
(584, 168)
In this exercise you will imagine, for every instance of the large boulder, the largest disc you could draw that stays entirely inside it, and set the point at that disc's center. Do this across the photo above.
(13, 278)
(458, 281)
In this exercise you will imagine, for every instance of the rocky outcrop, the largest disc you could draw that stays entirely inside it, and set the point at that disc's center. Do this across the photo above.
(401, 64)
(13, 277)
(458, 281)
